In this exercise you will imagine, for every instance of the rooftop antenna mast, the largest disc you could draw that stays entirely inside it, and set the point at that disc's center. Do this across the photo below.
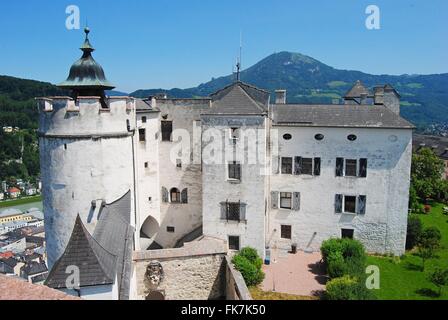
(238, 61)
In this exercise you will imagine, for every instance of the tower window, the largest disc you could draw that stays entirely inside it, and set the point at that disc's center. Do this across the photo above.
(167, 130)
(285, 200)
(235, 170)
(146, 165)
(286, 165)
(65, 146)
(347, 233)
(141, 135)
(143, 119)
(179, 163)
(170, 229)
(351, 168)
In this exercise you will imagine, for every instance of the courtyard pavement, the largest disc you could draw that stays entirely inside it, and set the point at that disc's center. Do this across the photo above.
(299, 274)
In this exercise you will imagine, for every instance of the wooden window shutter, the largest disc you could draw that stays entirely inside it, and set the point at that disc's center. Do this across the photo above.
(363, 168)
(275, 165)
(223, 210)
(296, 201)
(243, 211)
(297, 165)
(317, 166)
(362, 201)
(184, 196)
(339, 167)
(338, 203)
(274, 199)
(164, 194)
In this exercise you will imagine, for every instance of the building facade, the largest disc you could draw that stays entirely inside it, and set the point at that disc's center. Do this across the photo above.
(156, 173)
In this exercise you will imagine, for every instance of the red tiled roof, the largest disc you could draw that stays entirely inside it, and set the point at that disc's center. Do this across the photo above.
(13, 189)
(6, 255)
(18, 289)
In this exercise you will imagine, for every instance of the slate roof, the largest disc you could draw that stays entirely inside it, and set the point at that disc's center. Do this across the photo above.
(33, 267)
(104, 256)
(239, 98)
(438, 144)
(357, 90)
(144, 105)
(351, 116)
(96, 265)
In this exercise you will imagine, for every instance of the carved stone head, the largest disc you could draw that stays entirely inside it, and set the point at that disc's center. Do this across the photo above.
(154, 274)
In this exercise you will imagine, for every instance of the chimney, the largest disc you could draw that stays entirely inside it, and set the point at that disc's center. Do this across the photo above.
(389, 97)
(280, 96)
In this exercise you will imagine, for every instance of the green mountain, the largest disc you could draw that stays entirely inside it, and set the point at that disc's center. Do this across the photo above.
(307, 80)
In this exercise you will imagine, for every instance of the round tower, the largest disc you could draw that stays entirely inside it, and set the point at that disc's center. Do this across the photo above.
(86, 151)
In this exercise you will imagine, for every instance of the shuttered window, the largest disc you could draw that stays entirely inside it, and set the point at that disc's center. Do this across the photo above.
(274, 199)
(350, 204)
(307, 166)
(351, 168)
(298, 165)
(338, 203)
(296, 201)
(233, 211)
(286, 200)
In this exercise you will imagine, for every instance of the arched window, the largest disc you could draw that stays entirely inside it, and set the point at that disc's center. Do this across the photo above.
(175, 195)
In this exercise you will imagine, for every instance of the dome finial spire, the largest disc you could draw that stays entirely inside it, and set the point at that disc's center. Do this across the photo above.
(87, 47)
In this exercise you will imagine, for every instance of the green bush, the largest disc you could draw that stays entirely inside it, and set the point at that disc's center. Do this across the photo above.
(430, 238)
(347, 288)
(343, 257)
(249, 264)
(336, 265)
(252, 255)
(414, 232)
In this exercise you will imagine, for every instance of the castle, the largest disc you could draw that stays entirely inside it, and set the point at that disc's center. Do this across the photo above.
(123, 176)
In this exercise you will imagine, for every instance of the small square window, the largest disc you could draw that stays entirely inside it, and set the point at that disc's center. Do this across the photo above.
(351, 167)
(347, 233)
(149, 199)
(146, 165)
(143, 119)
(350, 204)
(286, 165)
(286, 232)
(234, 170)
(285, 200)
(307, 166)
(141, 134)
(170, 229)
(234, 243)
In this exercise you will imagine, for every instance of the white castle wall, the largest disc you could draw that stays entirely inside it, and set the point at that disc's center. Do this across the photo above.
(251, 190)
(184, 217)
(383, 228)
(86, 155)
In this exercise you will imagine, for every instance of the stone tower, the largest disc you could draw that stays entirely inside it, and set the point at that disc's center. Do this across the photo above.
(86, 151)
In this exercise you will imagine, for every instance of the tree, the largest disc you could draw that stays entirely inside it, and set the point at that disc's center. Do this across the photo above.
(415, 229)
(426, 173)
(428, 242)
(439, 278)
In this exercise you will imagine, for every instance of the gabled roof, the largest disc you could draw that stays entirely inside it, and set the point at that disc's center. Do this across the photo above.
(239, 98)
(357, 90)
(104, 256)
(437, 144)
(96, 265)
(351, 116)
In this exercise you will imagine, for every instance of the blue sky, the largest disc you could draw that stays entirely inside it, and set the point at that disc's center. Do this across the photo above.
(182, 43)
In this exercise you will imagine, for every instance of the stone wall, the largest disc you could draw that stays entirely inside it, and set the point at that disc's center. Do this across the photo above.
(236, 288)
(196, 271)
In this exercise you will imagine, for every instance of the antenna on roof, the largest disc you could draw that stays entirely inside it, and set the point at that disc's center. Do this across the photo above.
(238, 60)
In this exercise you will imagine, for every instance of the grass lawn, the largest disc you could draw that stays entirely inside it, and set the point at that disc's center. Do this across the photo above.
(258, 294)
(402, 278)
(17, 202)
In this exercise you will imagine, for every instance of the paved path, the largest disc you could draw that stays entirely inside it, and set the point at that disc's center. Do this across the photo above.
(299, 274)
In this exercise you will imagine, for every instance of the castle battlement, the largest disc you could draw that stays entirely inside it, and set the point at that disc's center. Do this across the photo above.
(65, 116)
